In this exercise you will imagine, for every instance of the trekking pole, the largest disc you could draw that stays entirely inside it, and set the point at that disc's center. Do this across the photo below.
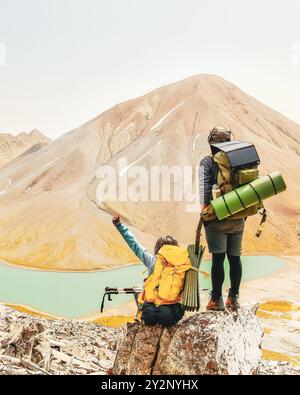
(262, 222)
(198, 235)
(108, 293)
(116, 291)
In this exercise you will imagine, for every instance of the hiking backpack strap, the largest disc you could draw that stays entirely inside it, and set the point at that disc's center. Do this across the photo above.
(197, 270)
(215, 169)
(198, 235)
(262, 222)
(219, 177)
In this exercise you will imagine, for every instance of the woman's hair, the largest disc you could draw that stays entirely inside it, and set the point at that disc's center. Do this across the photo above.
(167, 240)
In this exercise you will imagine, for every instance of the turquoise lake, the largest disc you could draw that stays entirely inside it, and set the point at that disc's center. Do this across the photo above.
(72, 295)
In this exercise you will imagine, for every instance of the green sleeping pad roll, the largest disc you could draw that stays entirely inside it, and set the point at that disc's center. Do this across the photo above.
(220, 208)
(263, 187)
(233, 202)
(278, 181)
(248, 195)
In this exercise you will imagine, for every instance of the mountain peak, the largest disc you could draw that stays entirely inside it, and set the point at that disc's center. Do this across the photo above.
(166, 127)
(205, 80)
(12, 146)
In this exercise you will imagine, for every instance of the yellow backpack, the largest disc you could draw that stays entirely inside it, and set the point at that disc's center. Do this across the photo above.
(166, 283)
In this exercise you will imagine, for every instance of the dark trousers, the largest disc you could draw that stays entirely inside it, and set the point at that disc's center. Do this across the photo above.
(165, 315)
(218, 274)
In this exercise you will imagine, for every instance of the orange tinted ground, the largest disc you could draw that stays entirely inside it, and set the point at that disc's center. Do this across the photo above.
(279, 306)
(276, 309)
(27, 310)
(113, 321)
(276, 356)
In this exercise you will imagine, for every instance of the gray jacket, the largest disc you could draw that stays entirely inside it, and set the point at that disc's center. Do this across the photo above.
(208, 171)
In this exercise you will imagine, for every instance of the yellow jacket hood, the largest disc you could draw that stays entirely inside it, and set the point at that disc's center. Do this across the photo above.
(174, 254)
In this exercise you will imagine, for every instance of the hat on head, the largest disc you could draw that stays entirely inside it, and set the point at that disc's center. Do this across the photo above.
(219, 135)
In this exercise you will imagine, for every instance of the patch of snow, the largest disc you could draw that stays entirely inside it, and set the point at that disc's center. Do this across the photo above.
(195, 141)
(123, 171)
(118, 128)
(161, 121)
(3, 192)
(36, 173)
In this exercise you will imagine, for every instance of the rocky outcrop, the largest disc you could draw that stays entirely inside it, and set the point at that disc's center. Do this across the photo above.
(274, 368)
(32, 345)
(206, 343)
(209, 343)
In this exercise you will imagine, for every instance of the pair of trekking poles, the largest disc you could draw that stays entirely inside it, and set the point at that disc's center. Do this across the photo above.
(135, 291)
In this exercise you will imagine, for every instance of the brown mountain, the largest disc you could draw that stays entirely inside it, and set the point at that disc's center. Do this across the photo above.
(49, 218)
(13, 146)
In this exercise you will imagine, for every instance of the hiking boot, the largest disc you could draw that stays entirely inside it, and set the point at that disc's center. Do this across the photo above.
(232, 301)
(215, 304)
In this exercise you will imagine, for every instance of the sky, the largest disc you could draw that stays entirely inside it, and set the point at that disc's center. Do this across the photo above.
(63, 62)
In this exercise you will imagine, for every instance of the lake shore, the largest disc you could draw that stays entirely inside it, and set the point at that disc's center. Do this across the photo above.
(260, 289)
(124, 266)
(79, 295)
(279, 311)
(250, 290)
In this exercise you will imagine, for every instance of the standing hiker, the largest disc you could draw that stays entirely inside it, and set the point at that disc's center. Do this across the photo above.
(163, 287)
(223, 237)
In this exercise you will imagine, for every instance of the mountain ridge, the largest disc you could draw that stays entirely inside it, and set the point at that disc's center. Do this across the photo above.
(12, 146)
(51, 220)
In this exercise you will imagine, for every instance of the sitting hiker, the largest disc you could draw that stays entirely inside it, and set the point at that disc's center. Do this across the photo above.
(166, 268)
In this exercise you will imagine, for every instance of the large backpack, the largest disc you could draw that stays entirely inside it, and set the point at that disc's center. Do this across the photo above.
(237, 164)
(166, 283)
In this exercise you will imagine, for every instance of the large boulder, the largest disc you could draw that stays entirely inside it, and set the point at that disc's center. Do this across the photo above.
(208, 343)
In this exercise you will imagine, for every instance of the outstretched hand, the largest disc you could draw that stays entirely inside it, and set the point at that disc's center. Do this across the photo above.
(116, 219)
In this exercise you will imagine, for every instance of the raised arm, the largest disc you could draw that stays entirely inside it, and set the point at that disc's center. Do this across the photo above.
(141, 252)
